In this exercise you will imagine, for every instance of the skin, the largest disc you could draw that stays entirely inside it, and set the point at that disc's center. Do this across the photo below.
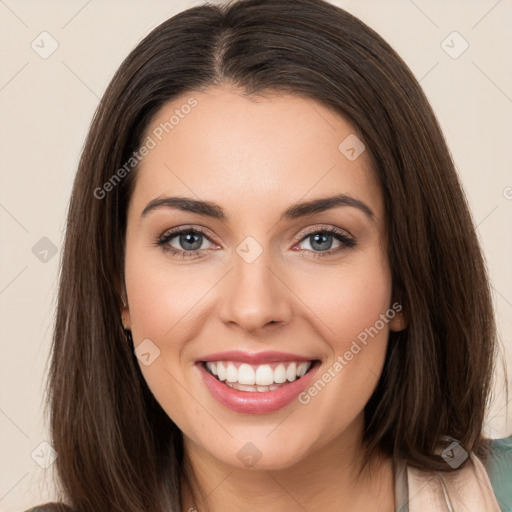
(255, 157)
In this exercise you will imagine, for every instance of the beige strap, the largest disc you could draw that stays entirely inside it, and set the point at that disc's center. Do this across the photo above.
(467, 489)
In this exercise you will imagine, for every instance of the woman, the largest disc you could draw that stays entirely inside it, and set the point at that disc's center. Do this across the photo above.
(327, 340)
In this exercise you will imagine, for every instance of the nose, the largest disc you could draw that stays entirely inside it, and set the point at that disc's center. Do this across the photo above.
(255, 295)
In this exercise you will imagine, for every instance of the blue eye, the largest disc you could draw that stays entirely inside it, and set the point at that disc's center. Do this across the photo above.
(191, 241)
(321, 241)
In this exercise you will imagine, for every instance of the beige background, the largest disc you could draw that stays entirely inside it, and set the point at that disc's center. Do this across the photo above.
(46, 106)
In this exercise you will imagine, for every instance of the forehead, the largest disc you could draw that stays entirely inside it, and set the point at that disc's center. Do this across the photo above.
(240, 151)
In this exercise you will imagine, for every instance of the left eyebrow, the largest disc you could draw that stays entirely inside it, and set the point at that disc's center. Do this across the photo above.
(324, 204)
(295, 211)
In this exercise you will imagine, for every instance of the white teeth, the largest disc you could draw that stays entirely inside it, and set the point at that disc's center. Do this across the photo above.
(291, 372)
(252, 389)
(246, 375)
(212, 367)
(280, 374)
(302, 369)
(244, 387)
(231, 373)
(221, 371)
(264, 377)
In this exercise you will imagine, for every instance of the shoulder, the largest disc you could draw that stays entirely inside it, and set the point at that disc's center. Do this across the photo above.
(51, 507)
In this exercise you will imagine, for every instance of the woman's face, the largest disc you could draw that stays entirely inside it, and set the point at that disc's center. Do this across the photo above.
(257, 285)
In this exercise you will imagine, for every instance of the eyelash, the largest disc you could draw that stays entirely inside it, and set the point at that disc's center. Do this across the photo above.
(347, 241)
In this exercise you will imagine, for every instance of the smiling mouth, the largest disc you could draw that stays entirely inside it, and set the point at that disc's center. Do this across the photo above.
(258, 377)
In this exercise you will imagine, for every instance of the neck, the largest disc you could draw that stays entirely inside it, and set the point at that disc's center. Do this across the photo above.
(327, 480)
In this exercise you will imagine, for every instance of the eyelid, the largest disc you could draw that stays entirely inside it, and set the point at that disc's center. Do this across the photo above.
(327, 229)
(343, 236)
(188, 228)
(303, 234)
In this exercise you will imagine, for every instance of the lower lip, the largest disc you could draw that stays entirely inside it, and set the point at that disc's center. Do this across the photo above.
(255, 402)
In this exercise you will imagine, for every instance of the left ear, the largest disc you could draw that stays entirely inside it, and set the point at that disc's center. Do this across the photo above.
(125, 309)
(125, 316)
(398, 322)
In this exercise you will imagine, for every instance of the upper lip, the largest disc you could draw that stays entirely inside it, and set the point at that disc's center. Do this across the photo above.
(254, 357)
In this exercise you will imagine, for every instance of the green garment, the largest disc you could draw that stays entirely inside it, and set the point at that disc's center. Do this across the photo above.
(500, 471)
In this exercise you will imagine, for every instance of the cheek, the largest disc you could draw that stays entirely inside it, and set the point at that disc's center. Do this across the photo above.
(359, 304)
(354, 311)
(351, 299)
(161, 303)
(357, 313)
(160, 298)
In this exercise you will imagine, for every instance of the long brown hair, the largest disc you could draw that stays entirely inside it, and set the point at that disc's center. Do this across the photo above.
(117, 448)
